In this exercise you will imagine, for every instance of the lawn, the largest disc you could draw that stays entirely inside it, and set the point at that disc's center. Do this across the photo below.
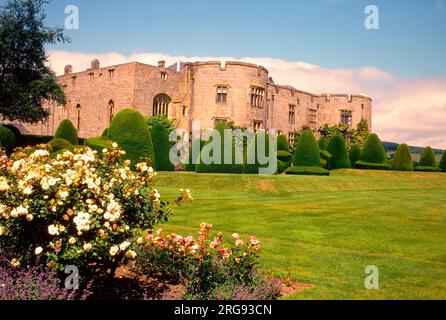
(326, 230)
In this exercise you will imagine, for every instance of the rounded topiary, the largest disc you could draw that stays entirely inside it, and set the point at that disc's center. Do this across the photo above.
(98, 144)
(340, 158)
(323, 144)
(8, 139)
(60, 144)
(67, 131)
(131, 132)
(354, 154)
(106, 132)
(443, 162)
(402, 161)
(427, 158)
(373, 151)
(161, 146)
(307, 151)
(282, 143)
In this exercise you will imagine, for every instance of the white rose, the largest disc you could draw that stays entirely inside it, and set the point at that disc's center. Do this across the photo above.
(38, 251)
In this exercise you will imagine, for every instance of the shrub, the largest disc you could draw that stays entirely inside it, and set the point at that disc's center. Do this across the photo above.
(206, 266)
(191, 166)
(222, 167)
(354, 154)
(282, 143)
(161, 146)
(130, 130)
(282, 166)
(8, 139)
(106, 132)
(402, 161)
(35, 140)
(60, 144)
(252, 153)
(427, 169)
(306, 170)
(162, 120)
(323, 144)
(443, 162)
(307, 151)
(98, 144)
(427, 158)
(372, 166)
(78, 210)
(340, 158)
(284, 155)
(373, 151)
(67, 131)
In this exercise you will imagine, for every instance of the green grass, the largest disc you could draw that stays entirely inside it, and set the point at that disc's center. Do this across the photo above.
(326, 230)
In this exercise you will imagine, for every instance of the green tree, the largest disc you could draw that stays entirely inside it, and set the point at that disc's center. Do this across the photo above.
(323, 144)
(427, 158)
(307, 151)
(161, 145)
(340, 158)
(443, 162)
(162, 120)
(354, 154)
(328, 132)
(373, 151)
(361, 133)
(25, 79)
(67, 131)
(402, 161)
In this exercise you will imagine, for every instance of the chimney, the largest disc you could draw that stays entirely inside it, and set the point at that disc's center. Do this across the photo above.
(95, 64)
(161, 64)
(68, 69)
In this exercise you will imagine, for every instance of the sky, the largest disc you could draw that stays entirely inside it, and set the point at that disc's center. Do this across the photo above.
(316, 45)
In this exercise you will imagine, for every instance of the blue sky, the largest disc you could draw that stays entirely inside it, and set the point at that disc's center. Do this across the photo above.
(329, 33)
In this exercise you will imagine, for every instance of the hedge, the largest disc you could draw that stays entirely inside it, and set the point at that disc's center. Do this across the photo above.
(67, 131)
(106, 132)
(427, 158)
(252, 153)
(220, 168)
(402, 161)
(323, 144)
(161, 146)
(307, 151)
(60, 144)
(8, 139)
(191, 166)
(443, 162)
(98, 144)
(372, 166)
(282, 166)
(354, 154)
(306, 170)
(427, 169)
(340, 158)
(130, 130)
(373, 151)
(282, 143)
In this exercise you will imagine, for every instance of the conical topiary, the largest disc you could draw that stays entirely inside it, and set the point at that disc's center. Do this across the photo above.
(67, 131)
(354, 154)
(131, 132)
(340, 158)
(282, 143)
(307, 151)
(427, 158)
(161, 146)
(323, 144)
(443, 162)
(373, 151)
(402, 161)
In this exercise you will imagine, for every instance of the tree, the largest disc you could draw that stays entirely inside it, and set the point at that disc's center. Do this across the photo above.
(307, 151)
(25, 80)
(427, 158)
(161, 145)
(354, 154)
(323, 144)
(328, 132)
(360, 135)
(443, 162)
(340, 158)
(402, 160)
(162, 120)
(373, 151)
(67, 131)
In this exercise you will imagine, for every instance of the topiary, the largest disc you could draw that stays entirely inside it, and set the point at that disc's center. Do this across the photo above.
(283, 154)
(402, 161)
(443, 162)
(340, 158)
(60, 144)
(427, 158)
(282, 143)
(8, 139)
(323, 144)
(191, 166)
(372, 166)
(252, 153)
(161, 146)
(354, 154)
(307, 171)
(220, 167)
(373, 151)
(67, 131)
(98, 144)
(307, 151)
(131, 132)
(106, 132)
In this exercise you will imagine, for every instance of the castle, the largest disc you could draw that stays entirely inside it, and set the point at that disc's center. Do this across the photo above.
(210, 92)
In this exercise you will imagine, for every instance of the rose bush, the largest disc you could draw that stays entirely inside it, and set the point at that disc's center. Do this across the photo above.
(77, 209)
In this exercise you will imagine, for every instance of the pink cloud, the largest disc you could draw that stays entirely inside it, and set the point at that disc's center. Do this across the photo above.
(405, 110)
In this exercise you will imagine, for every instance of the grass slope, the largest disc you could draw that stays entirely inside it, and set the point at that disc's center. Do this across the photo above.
(326, 230)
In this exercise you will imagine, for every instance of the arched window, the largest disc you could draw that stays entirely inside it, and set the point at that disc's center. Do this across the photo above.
(78, 112)
(161, 105)
(67, 107)
(111, 111)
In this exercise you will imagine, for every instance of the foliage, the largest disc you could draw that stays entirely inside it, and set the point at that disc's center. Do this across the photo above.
(161, 120)
(161, 145)
(205, 266)
(191, 166)
(372, 166)
(253, 151)
(307, 151)
(443, 162)
(67, 131)
(340, 158)
(373, 151)
(323, 144)
(60, 144)
(106, 132)
(402, 161)
(427, 169)
(360, 134)
(328, 132)
(25, 79)
(308, 171)
(8, 139)
(427, 158)
(76, 210)
(131, 132)
(354, 154)
(282, 143)
(284, 155)
(98, 144)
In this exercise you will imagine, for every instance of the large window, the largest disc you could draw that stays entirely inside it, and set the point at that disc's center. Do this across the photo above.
(312, 117)
(161, 105)
(291, 139)
(78, 113)
(222, 94)
(257, 96)
(346, 117)
(111, 111)
(292, 114)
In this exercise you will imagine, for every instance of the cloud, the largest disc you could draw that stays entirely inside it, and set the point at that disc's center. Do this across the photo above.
(410, 110)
